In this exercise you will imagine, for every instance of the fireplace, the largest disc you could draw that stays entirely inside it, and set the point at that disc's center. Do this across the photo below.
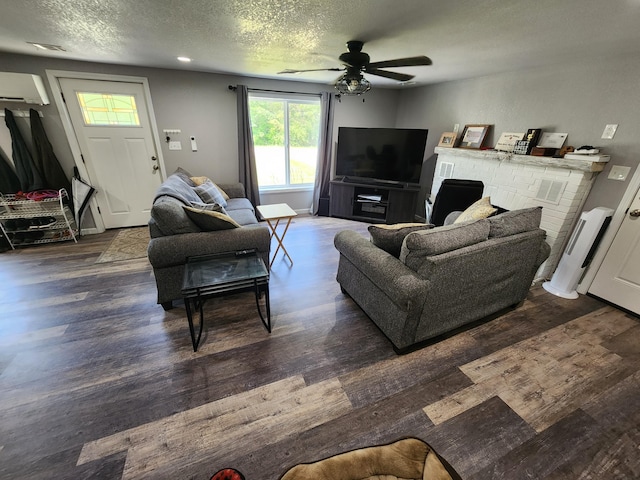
(513, 181)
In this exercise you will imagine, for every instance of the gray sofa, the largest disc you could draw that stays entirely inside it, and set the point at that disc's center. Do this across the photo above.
(444, 277)
(175, 235)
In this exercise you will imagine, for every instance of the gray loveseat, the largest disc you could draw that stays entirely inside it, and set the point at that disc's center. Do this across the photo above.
(178, 233)
(445, 277)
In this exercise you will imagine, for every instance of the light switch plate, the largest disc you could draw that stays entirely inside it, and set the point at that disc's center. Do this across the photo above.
(175, 145)
(618, 172)
(609, 131)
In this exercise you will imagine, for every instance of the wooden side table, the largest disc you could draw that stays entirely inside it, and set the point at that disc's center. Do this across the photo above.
(273, 214)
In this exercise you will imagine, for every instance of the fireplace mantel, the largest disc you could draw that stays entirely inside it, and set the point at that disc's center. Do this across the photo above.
(586, 165)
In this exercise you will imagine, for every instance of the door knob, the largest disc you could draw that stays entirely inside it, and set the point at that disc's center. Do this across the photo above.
(154, 158)
(635, 213)
(155, 167)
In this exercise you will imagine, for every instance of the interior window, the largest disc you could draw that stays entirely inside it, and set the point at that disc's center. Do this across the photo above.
(100, 109)
(286, 133)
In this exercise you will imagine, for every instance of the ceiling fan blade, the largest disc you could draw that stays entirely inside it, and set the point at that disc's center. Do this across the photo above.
(402, 62)
(401, 77)
(292, 71)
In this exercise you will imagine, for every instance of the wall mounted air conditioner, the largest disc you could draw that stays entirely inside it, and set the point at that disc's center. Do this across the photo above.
(580, 250)
(22, 87)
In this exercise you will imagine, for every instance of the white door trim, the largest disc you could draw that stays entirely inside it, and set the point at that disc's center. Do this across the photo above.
(53, 77)
(612, 231)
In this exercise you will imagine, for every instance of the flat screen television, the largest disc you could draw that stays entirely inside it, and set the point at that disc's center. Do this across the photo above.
(386, 154)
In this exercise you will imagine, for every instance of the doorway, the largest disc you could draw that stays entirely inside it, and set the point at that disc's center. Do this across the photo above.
(111, 128)
(618, 278)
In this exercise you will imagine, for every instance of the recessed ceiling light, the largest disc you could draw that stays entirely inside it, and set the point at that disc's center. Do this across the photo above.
(47, 46)
(184, 59)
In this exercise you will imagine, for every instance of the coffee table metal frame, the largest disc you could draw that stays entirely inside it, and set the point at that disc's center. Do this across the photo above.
(195, 295)
(277, 212)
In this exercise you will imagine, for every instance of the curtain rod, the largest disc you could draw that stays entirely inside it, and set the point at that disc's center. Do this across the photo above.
(234, 88)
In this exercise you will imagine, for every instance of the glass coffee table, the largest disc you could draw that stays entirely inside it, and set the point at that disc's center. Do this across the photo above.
(207, 276)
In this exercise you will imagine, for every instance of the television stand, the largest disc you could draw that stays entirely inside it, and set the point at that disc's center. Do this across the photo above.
(373, 181)
(374, 203)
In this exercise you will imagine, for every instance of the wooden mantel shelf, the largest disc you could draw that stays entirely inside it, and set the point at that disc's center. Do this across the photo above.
(585, 165)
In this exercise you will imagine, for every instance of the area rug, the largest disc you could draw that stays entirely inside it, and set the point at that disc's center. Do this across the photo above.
(127, 244)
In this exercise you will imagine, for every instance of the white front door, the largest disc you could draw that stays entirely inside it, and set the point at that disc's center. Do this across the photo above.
(618, 278)
(112, 124)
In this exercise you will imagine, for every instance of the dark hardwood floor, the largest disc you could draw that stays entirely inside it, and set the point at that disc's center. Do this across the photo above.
(97, 381)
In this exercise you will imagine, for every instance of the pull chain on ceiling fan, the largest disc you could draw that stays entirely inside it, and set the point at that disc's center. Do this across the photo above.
(356, 62)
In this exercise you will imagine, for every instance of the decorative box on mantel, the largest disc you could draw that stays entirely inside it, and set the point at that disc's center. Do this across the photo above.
(513, 181)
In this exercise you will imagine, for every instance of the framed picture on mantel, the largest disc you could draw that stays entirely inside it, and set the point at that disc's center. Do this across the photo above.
(473, 136)
(447, 140)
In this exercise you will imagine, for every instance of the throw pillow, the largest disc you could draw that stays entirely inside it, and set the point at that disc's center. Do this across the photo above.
(515, 221)
(222, 192)
(209, 193)
(476, 211)
(436, 241)
(200, 180)
(212, 207)
(210, 220)
(186, 176)
(390, 237)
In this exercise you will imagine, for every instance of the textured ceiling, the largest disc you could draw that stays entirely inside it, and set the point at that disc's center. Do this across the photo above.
(258, 38)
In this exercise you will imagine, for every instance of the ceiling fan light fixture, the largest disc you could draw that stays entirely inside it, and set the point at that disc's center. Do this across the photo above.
(353, 85)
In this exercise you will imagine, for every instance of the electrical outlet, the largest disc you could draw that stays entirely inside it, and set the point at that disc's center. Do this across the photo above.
(609, 131)
(456, 127)
(175, 145)
(619, 172)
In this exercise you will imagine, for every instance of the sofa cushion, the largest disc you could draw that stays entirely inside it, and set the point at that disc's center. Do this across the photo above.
(170, 218)
(243, 216)
(476, 211)
(200, 180)
(239, 204)
(436, 241)
(210, 219)
(390, 237)
(186, 176)
(515, 221)
(209, 193)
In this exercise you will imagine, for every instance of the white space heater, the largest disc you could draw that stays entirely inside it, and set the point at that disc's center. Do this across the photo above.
(579, 252)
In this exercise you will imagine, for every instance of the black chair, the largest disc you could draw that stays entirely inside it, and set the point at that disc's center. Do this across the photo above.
(454, 195)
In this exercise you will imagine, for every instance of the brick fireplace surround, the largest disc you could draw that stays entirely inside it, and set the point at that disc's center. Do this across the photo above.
(512, 181)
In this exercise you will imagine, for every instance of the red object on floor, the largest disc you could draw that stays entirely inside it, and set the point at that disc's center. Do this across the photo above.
(228, 474)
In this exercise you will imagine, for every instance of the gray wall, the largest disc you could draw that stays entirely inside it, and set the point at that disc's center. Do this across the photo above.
(199, 104)
(575, 98)
(579, 99)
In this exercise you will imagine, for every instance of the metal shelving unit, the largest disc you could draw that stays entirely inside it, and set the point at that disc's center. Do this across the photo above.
(28, 221)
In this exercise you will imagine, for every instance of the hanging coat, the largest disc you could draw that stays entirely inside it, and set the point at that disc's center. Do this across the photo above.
(44, 158)
(9, 181)
(30, 178)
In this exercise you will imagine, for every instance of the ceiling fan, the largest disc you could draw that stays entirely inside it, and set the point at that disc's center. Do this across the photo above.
(356, 62)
